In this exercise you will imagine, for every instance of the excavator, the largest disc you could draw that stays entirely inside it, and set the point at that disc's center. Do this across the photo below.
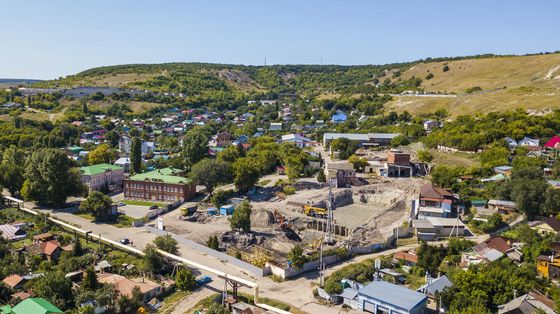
(281, 220)
(314, 211)
(314, 246)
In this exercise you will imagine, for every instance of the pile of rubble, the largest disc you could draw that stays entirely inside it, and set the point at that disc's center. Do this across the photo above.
(242, 239)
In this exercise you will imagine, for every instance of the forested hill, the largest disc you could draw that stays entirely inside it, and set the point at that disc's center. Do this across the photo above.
(475, 83)
(205, 78)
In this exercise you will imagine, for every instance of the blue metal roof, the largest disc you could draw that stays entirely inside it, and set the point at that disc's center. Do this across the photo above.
(397, 296)
(437, 285)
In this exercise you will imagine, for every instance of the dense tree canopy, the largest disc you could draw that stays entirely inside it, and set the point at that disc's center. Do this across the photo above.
(97, 204)
(241, 218)
(103, 153)
(195, 147)
(50, 178)
(210, 173)
(167, 243)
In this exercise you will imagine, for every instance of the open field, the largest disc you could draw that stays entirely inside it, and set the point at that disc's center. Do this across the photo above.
(528, 82)
(489, 73)
(454, 159)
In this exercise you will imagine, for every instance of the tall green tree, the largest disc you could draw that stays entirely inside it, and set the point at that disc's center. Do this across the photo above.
(186, 281)
(85, 109)
(102, 154)
(528, 188)
(77, 249)
(241, 218)
(167, 243)
(359, 163)
(12, 170)
(136, 155)
(56, 288)
(98, 204)
(213, 242)
(195, 147)
(50, 178)
(296, 256)
(246, 173)
(210, 173)
(152, 261)
(90, 282)
(430, 257)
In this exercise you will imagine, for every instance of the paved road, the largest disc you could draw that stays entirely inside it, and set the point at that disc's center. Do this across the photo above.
(297, 292)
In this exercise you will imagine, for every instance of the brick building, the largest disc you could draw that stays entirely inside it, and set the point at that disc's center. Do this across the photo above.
(398, 164)
(162, 185)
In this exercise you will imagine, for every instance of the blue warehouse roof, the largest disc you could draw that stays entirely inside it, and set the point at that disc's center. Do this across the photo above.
(397, 296)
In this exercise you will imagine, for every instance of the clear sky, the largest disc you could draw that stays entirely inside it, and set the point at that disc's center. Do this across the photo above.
(47, 39)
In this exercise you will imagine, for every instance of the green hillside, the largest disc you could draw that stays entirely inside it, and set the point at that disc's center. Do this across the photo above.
(473, 84)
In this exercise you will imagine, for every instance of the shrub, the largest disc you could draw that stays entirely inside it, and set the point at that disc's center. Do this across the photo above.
(289, 190)
(220, 197)
(473, 89)
(425, 155)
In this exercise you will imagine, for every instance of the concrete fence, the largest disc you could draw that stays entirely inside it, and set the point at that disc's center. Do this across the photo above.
(217, 254)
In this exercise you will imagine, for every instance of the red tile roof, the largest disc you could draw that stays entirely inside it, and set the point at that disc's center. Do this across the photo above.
(430, 191)
(50, 247)
(495, 242)
(13, 280)
(22, 295)
(406, 256)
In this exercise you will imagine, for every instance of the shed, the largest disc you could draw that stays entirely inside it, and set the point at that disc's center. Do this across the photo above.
(226, 210)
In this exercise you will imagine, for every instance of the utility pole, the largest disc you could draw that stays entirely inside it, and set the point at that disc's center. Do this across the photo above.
(321, 268)
(330, 207)
(225, 294)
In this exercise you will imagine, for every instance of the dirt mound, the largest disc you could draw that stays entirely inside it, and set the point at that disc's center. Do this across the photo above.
(261, 218)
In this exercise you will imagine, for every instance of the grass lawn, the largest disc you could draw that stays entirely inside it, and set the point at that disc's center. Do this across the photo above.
(123, 221)
(414, 282)
(142, 203)
(454, 159)
(84, 215)
(170, 301)
(205, 303)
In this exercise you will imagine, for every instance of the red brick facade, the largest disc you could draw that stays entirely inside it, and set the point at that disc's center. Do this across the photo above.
(158, 191)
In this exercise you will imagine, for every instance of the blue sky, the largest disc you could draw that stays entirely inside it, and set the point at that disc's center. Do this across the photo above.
(47, 39)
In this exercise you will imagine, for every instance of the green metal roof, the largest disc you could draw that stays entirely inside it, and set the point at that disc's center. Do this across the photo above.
(169, 171)
(99, 169)
(35, 306)
(75, 148)
(161, 175)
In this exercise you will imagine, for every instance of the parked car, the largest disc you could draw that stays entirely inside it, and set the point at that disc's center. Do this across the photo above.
(153, 207)
(125, 241)
(203, 280)
(121, 204)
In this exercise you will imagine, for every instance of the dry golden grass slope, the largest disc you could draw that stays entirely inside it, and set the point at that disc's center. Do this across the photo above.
(531, 82)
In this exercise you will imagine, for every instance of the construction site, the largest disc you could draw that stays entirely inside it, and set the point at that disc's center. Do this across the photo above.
(358, 217)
